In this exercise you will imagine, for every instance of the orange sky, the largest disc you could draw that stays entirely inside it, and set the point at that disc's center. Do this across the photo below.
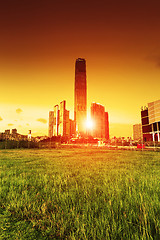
(40, 41)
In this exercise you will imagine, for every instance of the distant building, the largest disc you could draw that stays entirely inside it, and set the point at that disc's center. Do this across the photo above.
(56, 120)
(51, 124)
(150, 118)
(137, 132)
(64, 127)
(80, 96)
(7, 132)
(14, 131)
(12, 135)
(59, 122)
(106, 126)
(100, 121)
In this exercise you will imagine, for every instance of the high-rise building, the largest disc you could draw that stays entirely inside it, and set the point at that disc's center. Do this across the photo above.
(51, 124)
(72, 128)
(106, 126)
(100, 121)
(56, 120)
(150, 118)
(137, 132)
(80, 96)
(59, 122)
(64, 123)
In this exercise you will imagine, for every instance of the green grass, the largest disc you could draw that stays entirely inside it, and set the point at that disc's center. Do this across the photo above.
(79, 194)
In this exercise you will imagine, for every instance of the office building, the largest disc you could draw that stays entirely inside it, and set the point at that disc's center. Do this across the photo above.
(146, 127)
(150, 118)
(80, 96)
(100, 121)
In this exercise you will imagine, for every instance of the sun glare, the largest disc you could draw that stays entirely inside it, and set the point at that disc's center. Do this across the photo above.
(89, 124)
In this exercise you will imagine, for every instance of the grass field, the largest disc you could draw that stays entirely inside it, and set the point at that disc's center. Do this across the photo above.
(79, 194)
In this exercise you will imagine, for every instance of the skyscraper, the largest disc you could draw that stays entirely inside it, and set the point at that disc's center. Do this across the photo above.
(56, 120)
(51, 124)
(80, 95)
(64, 124)
(100, 121)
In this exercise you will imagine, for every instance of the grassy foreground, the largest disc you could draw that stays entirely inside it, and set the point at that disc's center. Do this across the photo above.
(79, 194)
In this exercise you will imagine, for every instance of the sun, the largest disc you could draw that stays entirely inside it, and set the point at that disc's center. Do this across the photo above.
(89, 124)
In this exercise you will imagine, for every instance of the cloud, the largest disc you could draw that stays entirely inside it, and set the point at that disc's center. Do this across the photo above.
(10, 124)
(19, 110)
(42, 120)
(1, 119)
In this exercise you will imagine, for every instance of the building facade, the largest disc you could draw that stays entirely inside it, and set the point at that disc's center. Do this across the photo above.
(137, 132)
(150, 118)
(80, 96)
(100, 121)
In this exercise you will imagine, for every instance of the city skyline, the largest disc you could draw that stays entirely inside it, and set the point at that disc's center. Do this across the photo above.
(40, 42)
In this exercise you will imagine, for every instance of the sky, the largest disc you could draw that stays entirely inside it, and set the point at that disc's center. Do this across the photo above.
(41, 40)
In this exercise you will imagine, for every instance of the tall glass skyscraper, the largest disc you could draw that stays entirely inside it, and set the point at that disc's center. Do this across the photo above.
(80, 96)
